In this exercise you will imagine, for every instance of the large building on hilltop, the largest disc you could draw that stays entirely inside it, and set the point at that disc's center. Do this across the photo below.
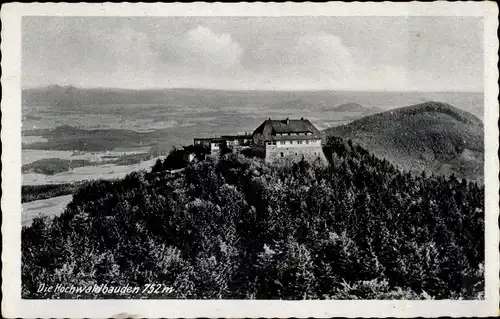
(287, 139)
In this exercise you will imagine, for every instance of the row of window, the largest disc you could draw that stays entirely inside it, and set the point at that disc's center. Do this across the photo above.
(304, 133)
(283, 155)
(288, 142)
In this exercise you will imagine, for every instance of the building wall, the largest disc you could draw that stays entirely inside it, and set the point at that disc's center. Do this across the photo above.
(203, 142)
(276, 153)
(239, 142)
(296, 143)
(258, 146)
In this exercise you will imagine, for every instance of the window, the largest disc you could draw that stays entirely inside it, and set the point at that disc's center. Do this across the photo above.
(282, 154)
(307, 142)
(288, 133)
(299, 142)
(274, 142)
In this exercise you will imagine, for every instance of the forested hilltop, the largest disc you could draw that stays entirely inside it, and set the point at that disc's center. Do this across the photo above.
(235, 227)
(432, 136)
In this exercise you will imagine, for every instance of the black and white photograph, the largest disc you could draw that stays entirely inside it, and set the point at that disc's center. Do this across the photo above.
(251, 157)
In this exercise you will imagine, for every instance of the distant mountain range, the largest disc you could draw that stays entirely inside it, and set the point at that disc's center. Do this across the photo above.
(345, 107)
(366, 103)
(355, 107)
(432, 136)
(69, 96)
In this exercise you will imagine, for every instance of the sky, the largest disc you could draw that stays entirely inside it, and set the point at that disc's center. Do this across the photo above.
(255, 53)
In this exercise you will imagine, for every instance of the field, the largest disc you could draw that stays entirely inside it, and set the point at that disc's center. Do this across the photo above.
(45, 207)
(105, 171)
(31, 193)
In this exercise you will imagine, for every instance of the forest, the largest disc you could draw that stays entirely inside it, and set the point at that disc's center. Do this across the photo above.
(31, 193)
(235, 227)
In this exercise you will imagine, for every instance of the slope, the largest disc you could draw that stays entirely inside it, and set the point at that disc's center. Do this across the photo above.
(355, 107)
(432, 136)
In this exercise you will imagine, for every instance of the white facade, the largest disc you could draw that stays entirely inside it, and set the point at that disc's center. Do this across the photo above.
(214, 146)
(295, 143)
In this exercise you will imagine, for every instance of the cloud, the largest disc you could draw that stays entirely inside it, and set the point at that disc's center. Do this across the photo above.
(321, 60)
(324, 52)
(201, 50)
(218, 49)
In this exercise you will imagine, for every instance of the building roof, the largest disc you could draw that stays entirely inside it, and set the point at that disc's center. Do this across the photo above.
(294, 138)
(236, 137)
(210, 139)
(270, 128)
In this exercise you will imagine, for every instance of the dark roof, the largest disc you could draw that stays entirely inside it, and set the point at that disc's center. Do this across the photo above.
(294, 138)
(235, 137)
(270, 127)
(209, 139)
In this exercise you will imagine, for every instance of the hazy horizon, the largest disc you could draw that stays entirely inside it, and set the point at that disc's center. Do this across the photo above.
(243, 90)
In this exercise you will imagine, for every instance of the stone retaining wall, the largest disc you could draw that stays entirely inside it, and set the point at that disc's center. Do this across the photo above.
(294, 153)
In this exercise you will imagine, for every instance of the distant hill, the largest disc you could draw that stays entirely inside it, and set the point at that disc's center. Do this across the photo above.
(69, 96)
(432, 136)
(355, 107)
(352, 111)
(350, 107)
(296, 103)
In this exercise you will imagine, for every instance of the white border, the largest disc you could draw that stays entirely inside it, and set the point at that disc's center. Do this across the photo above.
(14, 306)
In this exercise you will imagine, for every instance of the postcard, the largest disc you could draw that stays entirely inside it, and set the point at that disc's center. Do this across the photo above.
(250, 160)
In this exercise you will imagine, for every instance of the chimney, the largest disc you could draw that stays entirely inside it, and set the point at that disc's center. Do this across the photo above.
(287, 121)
